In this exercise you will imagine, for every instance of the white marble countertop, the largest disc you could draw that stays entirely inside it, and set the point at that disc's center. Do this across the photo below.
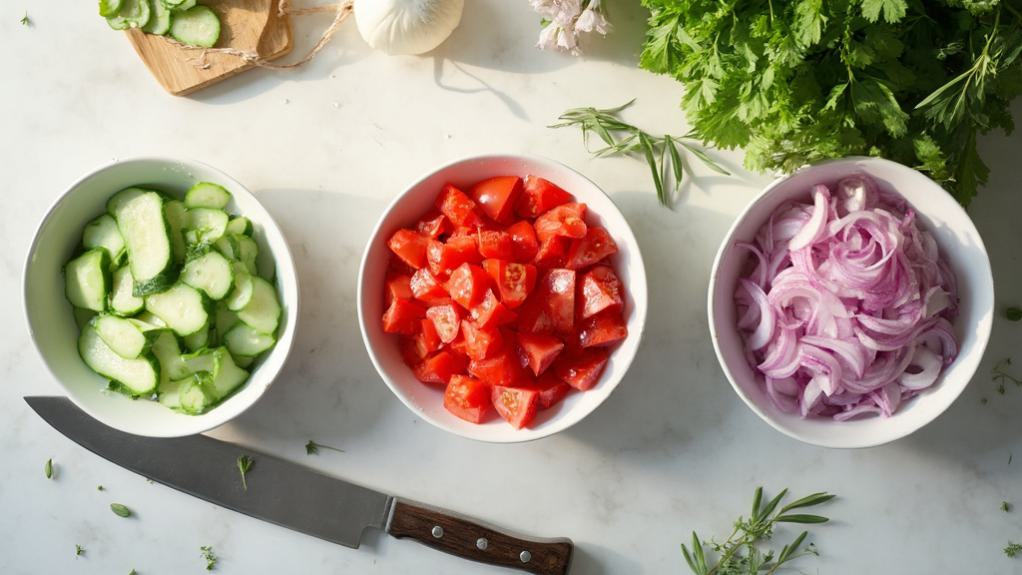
(325, 148)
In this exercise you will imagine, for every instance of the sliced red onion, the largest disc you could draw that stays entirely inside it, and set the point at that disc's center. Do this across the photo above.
(847, 304)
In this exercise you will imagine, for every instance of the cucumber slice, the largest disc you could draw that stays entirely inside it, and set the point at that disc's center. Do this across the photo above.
(210, 273)
(168, 393)
(226, 375)
(202, 360)
(244, 361)
(240, 226)
(226, 247)
(87, 280)
(131, 14)
(181, 308)
(243, 340)
(139, 215)
(180, 5)
(123, 301)
(248, 252)
(109, 8)
(207, 195)
(242, 293)
(120, 335)
(168, 353)
(263, 310)
(102, 232)
(197, 26)
(83, 317)
(196, 394)
(205, 225)
(197, 340)
(223, 322)
(150, 319)
(139, 376)
(159, 19)
(177, 219)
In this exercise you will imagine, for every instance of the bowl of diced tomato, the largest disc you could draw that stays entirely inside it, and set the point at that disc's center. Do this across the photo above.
(502, 298)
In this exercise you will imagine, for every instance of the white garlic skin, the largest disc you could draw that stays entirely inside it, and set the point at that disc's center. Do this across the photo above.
(407, 26)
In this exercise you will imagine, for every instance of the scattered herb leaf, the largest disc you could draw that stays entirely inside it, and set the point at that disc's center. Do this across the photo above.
(1013, 313)
(25, 20)
(132, 572)
(1013, 549)
(79, 550)
(1005, 506)
(120, 510)
(312, 448)
(245, 463)
(1001, 376)
(209, 556)
(100, 488)
(48, 469)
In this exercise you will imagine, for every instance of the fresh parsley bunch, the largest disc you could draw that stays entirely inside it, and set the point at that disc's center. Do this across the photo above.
(799, 81)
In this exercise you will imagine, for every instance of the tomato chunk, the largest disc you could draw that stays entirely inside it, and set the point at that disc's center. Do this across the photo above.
(467, 398)
(468, 285)
(398, 287)
(601, 289)
(524, 244)
(412, 351)
(583, 369)
(514, 281)
(433, 225)
(539, 196)
(558, 297)
(565, 221)
(552, 252)
(495, 244)
(596, 245)
(501, 369)
(496, 197)
(538, 351)
(426, 287)
(445, 257)
(490, 312)
(440, 367)
(410, 246)
(480, 342)
(403, 317)
(551, 390)
(605, 328)
(427, 340)
(458, 207)
(517, 405)
(447, 321)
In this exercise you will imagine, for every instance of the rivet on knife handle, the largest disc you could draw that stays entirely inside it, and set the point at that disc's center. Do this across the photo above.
(465, 538)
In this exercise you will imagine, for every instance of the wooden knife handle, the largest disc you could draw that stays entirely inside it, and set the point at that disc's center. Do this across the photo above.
(465, 538)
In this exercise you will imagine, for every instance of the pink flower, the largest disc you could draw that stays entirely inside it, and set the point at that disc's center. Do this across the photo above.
(565, 19)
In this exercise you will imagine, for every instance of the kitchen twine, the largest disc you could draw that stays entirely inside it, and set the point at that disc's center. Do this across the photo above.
(342, 8)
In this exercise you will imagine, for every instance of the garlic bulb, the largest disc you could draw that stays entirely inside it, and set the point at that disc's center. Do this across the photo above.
(407, 26)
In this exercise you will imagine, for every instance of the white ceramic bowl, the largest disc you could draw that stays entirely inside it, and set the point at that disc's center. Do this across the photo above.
(959, 243)
(49, 314)
(409, 206)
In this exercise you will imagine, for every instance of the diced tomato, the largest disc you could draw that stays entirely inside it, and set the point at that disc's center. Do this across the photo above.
(480, 342)
(517, 405)
(410, 246)
(551, 390)
(445, 257)
(433, 225)
(495, 244)
(447, 321)
(557, 293)
(412, 351)
(468, 285)
(566, 221)
(581, 370)
(601, 289)
(514, 281)
(605, 328)
(426, 287)
(552, 252)
(596, 245)
(403, 317)
(501, 369)
(458, 345)
(467, 398)
(427, 340)
(533, 317)
(496, 196)
(458, 207)
(490, 312)
(539, 196)
(440, 367)
(398, 287)
(538, 351)
(524, 244)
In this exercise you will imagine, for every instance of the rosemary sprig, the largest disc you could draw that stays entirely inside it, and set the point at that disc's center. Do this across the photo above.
(740, 554)
(312, 448)
(620, 138)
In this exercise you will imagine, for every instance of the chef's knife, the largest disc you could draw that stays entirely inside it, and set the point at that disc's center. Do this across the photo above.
(297, 497)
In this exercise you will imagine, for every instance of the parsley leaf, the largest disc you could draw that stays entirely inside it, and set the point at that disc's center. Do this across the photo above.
(48, 469)
(1013, 549)
(120, 510)
(25, 20)
(245, 463)
(209, 556)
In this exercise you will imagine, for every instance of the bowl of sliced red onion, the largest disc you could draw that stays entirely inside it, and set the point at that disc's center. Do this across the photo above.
(851, 302)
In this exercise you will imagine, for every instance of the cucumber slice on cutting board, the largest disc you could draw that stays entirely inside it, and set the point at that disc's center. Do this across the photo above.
(87, 280)
(211, 273)
(123, 300)
(139, 376)
(263, 311)
(181, 308)
(207, 195)
(197, 26)
(140, 218)
(159, 19)
(131, 14)
(102, 232)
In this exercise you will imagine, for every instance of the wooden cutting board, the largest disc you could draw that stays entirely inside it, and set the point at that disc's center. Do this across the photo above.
(244, 24)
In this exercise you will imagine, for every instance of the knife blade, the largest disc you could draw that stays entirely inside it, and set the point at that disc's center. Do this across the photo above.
(298, 497)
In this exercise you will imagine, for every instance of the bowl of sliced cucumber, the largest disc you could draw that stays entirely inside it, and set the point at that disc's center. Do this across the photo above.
(161, 295)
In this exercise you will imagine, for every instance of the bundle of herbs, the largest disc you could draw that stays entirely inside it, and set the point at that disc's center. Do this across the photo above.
(795, 82)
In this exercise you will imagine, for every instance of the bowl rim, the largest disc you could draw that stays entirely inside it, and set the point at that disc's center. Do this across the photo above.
(286, 257)
(899, 433)
(530, 158)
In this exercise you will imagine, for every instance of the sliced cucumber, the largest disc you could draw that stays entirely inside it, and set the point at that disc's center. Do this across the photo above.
(242, 292)
(205, 225)
(197, 340)
(202, 360)
(240, 225)
(210, 273)
(207, 195)
(169, 392)
(102, 232)
(172, 364)
(139, 215)
(177, 219)
(181, 308)
(196, 393)
(224, 320)
(123, 300)
(139, 376)
(226, 375)
(87, 280)
(150, 319)
(131, 14)
(83, 316)
(180, 5)
(197, 26)
(121, 335)
(159, 19)
(243, 340)
(109, 8)
(263, 311)
(244, 361)
(226, 247)
(248, 252)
